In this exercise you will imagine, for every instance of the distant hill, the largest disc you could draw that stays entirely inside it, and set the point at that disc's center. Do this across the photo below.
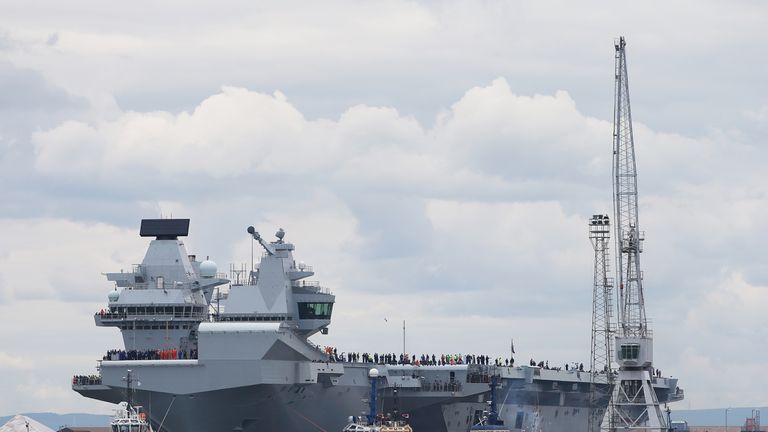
(55, 421)
(716, 416)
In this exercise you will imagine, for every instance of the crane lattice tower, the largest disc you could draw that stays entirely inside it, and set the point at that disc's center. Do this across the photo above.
(600, 369)
(634, 405)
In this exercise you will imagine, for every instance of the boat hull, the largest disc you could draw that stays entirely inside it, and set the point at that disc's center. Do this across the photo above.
(236, 395)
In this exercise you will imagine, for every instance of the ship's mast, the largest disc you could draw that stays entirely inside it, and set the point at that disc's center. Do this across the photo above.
(601, 371)
(634, 404)
(128, 390)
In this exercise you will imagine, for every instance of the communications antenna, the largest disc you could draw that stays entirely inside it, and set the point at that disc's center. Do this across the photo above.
(634, 405)
(600, 370)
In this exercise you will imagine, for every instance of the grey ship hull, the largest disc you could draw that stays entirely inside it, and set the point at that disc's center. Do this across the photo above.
(195, 396)
(253, 368)
(274, 408)
(263, 407)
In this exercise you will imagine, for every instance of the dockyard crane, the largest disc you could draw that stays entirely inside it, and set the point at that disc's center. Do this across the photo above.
(634, 405)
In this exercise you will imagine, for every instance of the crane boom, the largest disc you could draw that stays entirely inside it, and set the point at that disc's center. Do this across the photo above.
(629, 238)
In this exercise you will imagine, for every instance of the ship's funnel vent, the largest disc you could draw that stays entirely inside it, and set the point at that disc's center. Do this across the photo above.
(164, 229)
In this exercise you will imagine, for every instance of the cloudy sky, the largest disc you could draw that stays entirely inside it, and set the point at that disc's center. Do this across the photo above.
(435, 161)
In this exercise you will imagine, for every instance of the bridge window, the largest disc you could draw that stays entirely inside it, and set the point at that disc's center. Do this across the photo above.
(630, 352)
(315, 310)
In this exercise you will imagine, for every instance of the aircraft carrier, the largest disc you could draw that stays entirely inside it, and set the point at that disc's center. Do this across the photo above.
(243, 361)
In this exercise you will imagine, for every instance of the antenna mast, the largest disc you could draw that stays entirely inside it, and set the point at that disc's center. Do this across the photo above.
(634, 404)
(129, 389)
(404, 339)
(600, 370)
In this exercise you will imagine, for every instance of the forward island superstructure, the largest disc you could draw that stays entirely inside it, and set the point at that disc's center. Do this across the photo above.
(242, 360)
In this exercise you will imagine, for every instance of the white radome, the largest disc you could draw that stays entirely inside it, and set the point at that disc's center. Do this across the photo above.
(208, 269)
(113, 296)
(373, 373)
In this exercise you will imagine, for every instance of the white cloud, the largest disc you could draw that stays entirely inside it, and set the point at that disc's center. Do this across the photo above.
(743, 304)
(9, 361)
(238, 132)
(98, 44)
(49, 341)
(759, 115)
(415, 55)
(48, 393)
(227, 134)
(52, 258)
(718, 337)
(524, 231)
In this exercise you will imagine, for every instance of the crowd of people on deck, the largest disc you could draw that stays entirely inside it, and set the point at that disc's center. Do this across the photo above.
(545, 365)
(106, 313)
(355, 357)
(422, 360)
(442, 360)
(168, 354)
(577, 367)
(86, 380)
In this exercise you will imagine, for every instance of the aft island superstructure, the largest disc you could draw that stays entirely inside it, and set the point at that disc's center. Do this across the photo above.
(243, 361)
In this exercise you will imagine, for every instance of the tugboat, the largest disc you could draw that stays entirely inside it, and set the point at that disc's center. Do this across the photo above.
(129, 417)
(378, 423)
(491, 421)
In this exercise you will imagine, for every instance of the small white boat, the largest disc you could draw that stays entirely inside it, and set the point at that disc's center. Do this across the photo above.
(377, 423)
(129, 419)
(360, 425)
